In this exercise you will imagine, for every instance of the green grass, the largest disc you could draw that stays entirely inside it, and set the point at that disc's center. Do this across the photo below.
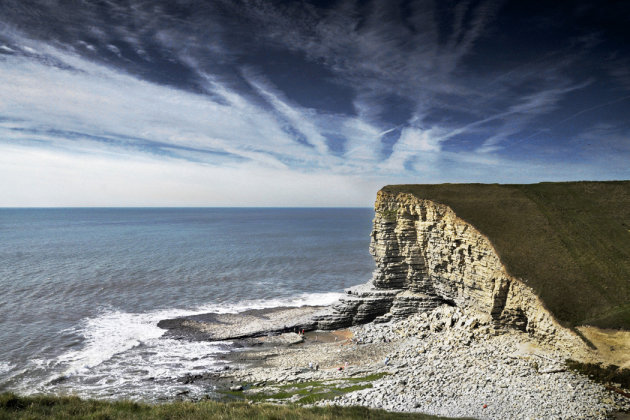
(353, 379)
(48, 407)
(372, 377)
(610, 374)
(569, 241)
(389, 215)
(308, 392)
(329, 394)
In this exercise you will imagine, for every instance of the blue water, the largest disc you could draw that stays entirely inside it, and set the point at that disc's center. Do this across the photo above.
(83, 289)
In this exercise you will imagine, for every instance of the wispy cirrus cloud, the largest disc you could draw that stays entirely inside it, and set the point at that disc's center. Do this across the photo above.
(96, 101)
(374, 91)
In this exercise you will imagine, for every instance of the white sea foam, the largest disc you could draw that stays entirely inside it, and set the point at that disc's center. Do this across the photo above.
(114, 332)
(304, 299)
(109, 334)
(5, 367)
(124, 349)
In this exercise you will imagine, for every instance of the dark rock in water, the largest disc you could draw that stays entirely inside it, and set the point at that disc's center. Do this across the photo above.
(189, 378)
(58, 380)
(255, 323)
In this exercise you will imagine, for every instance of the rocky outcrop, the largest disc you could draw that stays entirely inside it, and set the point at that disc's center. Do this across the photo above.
(244, 325)
(427, 256)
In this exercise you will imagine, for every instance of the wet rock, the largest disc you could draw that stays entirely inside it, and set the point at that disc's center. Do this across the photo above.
(249, 324)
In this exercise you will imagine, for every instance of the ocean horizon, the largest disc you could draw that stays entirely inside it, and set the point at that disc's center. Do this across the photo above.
(84, 288)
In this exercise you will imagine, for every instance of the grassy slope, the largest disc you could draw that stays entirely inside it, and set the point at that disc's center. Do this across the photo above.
(569, 241)
(14, 407)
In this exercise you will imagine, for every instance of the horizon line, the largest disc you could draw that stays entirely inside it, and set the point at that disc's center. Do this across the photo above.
(175, 207)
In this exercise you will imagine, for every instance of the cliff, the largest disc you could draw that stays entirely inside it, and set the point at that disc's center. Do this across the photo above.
(428, 255)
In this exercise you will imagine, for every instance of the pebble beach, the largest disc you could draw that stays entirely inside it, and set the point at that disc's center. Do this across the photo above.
(444, 362)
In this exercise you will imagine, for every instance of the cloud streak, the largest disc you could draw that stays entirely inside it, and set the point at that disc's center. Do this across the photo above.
(391, 92)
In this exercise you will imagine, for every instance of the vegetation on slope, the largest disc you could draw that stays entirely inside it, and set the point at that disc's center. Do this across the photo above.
(610, 374)
(308, 392)
(569, 241)
(48, 407)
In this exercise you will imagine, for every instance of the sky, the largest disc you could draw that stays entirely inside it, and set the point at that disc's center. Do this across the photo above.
(305, 103)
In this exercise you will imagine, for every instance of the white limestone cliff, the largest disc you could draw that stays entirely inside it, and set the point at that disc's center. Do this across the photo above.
(426, 256)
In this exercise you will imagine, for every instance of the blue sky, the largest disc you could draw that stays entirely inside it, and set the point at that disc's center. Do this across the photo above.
(298, 103)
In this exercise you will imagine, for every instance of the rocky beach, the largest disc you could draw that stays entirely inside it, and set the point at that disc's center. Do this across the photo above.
(444, 362)
(442, 328)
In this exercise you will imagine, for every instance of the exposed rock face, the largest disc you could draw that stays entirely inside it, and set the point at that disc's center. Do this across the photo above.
(426, 256)
(244, 325)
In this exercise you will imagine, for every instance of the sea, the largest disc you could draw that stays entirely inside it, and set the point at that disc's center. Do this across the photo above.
(82, 290)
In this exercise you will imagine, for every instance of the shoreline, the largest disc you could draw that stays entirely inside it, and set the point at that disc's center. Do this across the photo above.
(445, 362)
(249, 324)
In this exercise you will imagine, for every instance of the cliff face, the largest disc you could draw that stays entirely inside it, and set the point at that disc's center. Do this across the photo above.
(426, 256)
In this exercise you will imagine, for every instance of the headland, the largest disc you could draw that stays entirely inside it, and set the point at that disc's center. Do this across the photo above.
(481, 294)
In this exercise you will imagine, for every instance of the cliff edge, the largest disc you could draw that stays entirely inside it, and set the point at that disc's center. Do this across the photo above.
(519, 256)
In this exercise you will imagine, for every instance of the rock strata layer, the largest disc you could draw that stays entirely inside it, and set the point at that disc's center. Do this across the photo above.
(249, 324)
(426, 256)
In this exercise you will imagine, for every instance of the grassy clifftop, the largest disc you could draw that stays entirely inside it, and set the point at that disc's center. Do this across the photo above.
(569, 241)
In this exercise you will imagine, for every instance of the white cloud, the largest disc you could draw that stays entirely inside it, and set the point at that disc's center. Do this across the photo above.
(363, 140)
(40, 177)
(413, 144)
(95, 100)
(300, 119)
(89, 134)
(114, 49)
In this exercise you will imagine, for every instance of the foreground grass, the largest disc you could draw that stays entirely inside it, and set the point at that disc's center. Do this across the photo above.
(48, 407)
(569, 241)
